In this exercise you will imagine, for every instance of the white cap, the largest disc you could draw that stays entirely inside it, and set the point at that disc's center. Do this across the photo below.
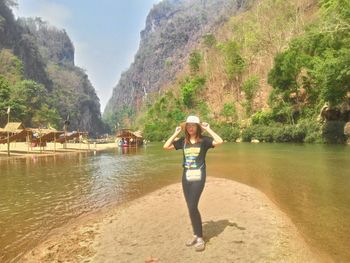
(192, 119)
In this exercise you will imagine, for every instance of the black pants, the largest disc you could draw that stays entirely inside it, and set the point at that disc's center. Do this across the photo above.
(192, 192)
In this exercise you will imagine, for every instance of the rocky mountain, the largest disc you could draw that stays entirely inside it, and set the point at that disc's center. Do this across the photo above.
(16, 38)
(46, 56)
(173, 28)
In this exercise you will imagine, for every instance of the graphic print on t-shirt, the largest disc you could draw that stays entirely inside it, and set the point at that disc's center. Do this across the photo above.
(191, 154)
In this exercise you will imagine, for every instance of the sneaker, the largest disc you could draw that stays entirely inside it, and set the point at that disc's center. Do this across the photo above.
(191, 241)
(200, 245)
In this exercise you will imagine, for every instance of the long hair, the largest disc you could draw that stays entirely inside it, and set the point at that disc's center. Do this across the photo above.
(198, 134)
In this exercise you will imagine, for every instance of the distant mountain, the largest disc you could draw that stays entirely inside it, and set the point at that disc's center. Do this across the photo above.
(47, 56)
(173, 29)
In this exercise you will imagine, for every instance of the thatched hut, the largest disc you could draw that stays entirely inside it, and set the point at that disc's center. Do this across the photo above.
(15, 131)
(42, 136)
(128, 138)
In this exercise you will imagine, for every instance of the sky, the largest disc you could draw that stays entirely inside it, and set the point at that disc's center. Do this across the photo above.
(105, 34)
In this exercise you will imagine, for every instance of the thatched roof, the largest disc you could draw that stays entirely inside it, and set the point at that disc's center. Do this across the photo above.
(14, 127)
(70, 136)
(137, 134)
(128, 132)
(43, 131)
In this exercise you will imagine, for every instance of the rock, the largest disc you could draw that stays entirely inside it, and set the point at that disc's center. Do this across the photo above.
(255, 141)
(172, 30)
(239, 140)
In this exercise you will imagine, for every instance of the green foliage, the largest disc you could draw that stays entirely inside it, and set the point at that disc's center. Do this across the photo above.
(4, 99)
(190, 90)
(169, 111)
(162, 117)
(227, 132)
(7, 100)
(203, 110)
(194, 61)
(110, 120)
(276, 133)
(4, 89)
(287, 66)
(46, 117)
(318, 62)
(234, 62)
(313, 130)
(332, 74)
(10, 66)
(337, 10)
(250, 87)
(289, 133)
(31, 96)
(209, 40)
(262, 118)
(156, 131)
(229, 112)
(28, 101)
(257, 132)
(307, 130)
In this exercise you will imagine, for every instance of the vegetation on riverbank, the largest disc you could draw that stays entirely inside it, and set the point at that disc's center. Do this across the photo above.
(313, 70)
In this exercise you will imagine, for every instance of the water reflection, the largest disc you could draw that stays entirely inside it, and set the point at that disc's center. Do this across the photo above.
(309, 182)
(38, 194)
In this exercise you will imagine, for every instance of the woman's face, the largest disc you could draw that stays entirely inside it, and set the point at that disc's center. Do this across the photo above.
(191, 128)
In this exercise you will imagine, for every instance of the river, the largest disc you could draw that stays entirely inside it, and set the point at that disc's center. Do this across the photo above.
(310, 183)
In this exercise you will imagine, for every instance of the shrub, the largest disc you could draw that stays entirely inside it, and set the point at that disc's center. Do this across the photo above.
(229, 133)
(312, 129)
(209, 40)
(262, 117)
(247, 134)
(235, 63)
(195, 60)
(189, 88)
(275, 133)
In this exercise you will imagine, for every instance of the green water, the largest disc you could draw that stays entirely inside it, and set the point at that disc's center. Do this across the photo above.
(309, 182)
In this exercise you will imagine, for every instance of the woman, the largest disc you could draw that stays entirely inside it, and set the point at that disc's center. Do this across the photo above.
(195, 147)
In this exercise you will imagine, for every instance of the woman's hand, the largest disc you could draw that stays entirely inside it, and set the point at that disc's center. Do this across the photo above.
(217, 139)
(168, 144)
(177, 130)
(205, 126)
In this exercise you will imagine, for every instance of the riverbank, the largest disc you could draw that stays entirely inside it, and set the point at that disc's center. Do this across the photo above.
(240, 224)
(20, 149)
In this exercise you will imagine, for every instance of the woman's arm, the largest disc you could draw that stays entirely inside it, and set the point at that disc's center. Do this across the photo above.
(216, 137)
(168, 144)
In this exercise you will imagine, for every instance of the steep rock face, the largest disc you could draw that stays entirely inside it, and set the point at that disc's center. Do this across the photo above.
(173, 28)
(75, 96)
(73, 92)
(47, 55)
(55, 45)
(13, 36)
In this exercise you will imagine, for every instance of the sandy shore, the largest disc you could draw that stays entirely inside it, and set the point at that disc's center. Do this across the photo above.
(240, 224)
(20, 149)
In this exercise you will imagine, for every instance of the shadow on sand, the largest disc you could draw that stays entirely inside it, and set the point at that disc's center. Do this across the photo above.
(214, 228)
